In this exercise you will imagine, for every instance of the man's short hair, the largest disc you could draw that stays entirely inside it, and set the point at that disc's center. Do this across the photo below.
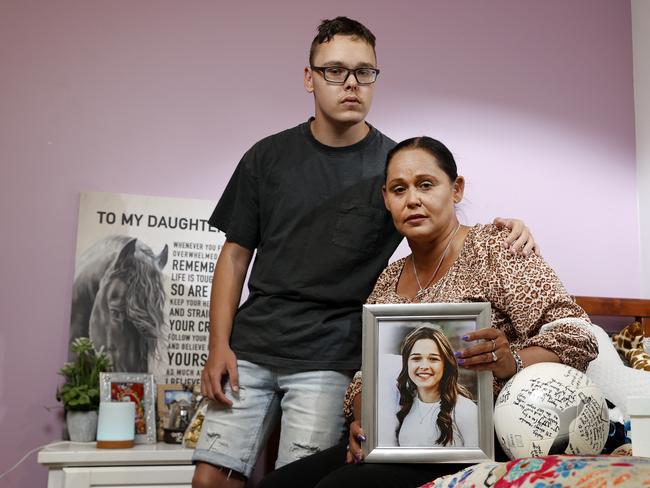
(343, 26)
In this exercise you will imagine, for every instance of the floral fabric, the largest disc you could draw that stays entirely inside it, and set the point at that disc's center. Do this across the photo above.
(557, 471)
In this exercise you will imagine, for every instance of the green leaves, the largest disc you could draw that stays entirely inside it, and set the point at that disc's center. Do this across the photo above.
(82, 345)
(78, 397)
(81, 388)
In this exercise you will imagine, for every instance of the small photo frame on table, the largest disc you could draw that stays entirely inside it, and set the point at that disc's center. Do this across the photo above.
(138, 388)
(167, 395)
(410, 375)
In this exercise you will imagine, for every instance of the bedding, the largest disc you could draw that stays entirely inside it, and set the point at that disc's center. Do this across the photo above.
(556, 471)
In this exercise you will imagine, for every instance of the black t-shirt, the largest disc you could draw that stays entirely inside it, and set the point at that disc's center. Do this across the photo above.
(316, 217)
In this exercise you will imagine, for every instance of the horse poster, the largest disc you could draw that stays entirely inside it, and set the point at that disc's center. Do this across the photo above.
(143, 274)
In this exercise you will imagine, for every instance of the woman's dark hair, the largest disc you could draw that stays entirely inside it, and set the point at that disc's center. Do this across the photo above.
(437, 149)
(340, 25)
(448, 386)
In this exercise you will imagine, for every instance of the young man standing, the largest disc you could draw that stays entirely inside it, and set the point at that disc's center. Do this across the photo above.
(308, 200)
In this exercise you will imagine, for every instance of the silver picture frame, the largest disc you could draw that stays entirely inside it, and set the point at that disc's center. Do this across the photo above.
(112, 385)
(384, 328)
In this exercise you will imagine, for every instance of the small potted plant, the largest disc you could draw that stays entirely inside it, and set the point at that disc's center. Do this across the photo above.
(80, 392)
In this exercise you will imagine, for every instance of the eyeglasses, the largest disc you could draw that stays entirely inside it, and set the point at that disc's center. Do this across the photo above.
(339, 75)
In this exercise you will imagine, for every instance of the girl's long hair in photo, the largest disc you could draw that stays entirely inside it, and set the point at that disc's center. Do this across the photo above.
(448, 387)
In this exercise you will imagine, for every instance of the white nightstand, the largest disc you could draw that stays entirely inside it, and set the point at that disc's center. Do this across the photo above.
(82, 465)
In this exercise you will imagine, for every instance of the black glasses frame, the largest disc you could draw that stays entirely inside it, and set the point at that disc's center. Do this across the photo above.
(322, 69)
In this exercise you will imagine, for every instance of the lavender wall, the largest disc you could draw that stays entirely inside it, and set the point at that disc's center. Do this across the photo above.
(163, 97)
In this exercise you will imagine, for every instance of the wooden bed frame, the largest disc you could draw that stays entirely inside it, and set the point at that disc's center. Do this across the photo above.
(636, 308)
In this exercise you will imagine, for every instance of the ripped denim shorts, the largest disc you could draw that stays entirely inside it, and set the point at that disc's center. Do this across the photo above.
(310, 404)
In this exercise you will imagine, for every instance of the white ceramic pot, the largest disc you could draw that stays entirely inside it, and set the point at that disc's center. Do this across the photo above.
(82, 426)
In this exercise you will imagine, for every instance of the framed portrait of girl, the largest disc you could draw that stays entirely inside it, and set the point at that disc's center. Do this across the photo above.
(418, 405)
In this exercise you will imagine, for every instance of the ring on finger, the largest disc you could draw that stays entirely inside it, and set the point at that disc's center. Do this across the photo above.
(494, 357)
(494, 344)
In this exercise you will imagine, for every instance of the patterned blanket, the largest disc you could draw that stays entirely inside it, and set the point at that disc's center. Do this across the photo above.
(620, 471)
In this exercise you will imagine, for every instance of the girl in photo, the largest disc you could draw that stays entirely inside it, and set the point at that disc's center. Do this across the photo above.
(435, 410)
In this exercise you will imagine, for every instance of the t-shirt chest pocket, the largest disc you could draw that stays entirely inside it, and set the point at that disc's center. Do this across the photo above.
(358, 227)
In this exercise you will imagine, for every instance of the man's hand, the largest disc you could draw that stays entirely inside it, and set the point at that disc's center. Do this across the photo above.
(227, 282)
(220, 364)
(520, 240)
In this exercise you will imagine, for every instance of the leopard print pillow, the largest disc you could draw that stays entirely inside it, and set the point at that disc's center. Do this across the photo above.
(638, 359)
(629, 344)
(629, 338)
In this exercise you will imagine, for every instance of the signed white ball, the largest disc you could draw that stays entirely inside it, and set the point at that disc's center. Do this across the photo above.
(551, 408)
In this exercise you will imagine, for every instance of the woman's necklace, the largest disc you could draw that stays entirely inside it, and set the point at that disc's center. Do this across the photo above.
(427, 413)
(422, 290)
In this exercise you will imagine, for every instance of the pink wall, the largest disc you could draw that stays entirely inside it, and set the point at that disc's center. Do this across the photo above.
(163, 97)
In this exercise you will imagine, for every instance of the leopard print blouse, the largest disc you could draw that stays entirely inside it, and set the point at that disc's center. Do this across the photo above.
(529, 303)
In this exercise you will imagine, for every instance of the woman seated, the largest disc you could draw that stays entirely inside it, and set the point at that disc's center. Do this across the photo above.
(533, 318)
(434, 408)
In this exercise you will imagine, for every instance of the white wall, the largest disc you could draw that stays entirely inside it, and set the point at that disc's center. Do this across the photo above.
(641, 48)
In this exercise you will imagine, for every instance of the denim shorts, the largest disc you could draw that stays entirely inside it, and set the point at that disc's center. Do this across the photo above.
(311, 404)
